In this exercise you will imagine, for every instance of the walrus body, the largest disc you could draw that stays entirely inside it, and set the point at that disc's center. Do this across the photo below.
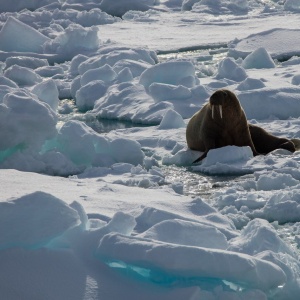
(223, 122)
(265, 142)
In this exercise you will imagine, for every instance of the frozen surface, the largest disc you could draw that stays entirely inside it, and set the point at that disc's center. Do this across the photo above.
(100, 198)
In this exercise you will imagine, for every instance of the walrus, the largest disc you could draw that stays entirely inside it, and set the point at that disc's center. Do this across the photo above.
(266, 142)
(222, 122)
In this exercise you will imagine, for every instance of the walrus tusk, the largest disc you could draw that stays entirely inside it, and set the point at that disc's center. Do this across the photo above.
(221, 113)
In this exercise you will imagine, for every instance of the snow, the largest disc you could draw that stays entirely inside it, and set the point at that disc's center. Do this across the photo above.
(93, 213)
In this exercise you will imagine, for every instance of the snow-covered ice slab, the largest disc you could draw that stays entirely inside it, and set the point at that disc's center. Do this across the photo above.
(226, 160)
(279, 42)
(29, 39)
(171, 260)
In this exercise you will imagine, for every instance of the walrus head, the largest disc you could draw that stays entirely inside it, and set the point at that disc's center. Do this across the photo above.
(221, 99)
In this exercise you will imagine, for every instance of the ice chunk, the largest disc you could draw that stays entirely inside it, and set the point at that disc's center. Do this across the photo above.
(136, 67)
(75, 86)
(64, 88)
(292, 5)
(171, 119)
(200, 207)
(7, 82)
(275, 181)
(296, 79)
(291, 267)
(227, 154)
(186, 233)
(294, 60)
(221, 7)
(29, 39)
(31, 128)
(172, 72)
(88, 94)
(151, 216)
(75, 62)
(124, 75)
(19, 5)
(258, 236)
(121, 223)
(188, 4)
(50, 71)
(81, 212)
(105, 74)
(22, 76)
(270, 101)
(165, 92)
(33, 220)
(191, 262)
(113, 55)
(74, 40)
(227, 160)
(258, 59)
(56, 164)
(229, 69)
(76, 140)
(283, 206)
(128, 151)
(47, 92)
(129, 101)
(26, 62)
(250, 84)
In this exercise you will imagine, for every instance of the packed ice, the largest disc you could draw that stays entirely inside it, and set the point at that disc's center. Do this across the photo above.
(100, 198)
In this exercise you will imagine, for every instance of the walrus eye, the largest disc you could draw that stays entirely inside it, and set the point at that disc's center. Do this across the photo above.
(224, 94)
